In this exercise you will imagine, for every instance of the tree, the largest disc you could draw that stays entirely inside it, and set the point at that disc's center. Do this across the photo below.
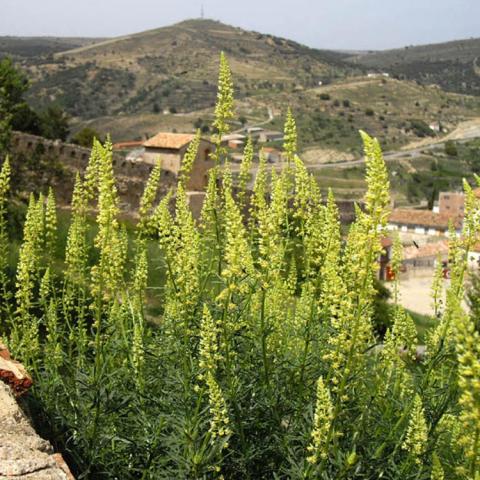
(85, 137)
(54, 123)
(25, 119)
(13, 85)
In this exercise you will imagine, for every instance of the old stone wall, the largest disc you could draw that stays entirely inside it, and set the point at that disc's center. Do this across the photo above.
(23, 454)
(38, 163)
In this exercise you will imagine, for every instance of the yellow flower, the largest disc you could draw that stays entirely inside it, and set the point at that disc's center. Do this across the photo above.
(322, 421)
(415, 442)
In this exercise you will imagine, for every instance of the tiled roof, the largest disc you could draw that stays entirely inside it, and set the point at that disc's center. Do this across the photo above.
(427, 250)
(423, 218)
(132, 144)
(386, 242)
(173, 141)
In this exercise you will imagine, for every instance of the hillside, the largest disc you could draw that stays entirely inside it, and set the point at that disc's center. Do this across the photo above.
(175, 68)
(165, 79)
(398, 112)
(33, 49)
(455, 66)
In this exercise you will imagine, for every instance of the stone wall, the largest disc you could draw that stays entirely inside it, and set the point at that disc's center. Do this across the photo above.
(63, 161)
(23, 454)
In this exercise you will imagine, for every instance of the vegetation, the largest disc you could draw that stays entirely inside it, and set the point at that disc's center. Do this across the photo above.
(451, 65)
(86, 136)
(18, 115)
(261, 363)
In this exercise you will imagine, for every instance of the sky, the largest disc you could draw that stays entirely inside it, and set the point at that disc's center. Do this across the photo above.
(336, 24)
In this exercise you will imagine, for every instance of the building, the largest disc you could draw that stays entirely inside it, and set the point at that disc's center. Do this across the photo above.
(170, 149)
(236, 144)
(418, 225)
(272, 155)
(233, 136)
(270, 136)
(451, 203)
(255, 132)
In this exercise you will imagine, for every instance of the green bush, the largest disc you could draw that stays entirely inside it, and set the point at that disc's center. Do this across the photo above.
(451, 148)
(421, 129)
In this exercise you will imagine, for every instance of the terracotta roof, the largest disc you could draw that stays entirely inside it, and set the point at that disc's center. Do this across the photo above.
(271, 149)
(132, 144)
(386, 242)
(427, 250)
(173, 141)
(476, 192)
(423, 218)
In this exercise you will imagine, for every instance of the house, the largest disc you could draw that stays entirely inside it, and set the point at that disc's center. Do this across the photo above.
(170, 149)
(233, 136)
(418, 225)
(451, 203)
(254, 132)
(436, 127)
(236, 144)
(270, 136)
(272, 155)
(129, 145)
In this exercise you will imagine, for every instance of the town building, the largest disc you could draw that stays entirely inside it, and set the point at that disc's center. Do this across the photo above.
(451, 203)
(170, 148)
(419, 225)
(272, 155)
(255, 132)
(269, 136)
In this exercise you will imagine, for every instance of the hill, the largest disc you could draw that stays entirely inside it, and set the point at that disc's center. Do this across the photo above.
(135, 85)
(32, 49)
(455, 66)
(175, 68)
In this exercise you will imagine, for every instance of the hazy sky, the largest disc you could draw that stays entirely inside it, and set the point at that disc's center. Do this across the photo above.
(343, 24)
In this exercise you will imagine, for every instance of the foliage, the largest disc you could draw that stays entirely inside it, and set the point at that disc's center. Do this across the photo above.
(12, 86)
(263, 362)
(421, 129)
(451, 148)
(54, 123)
(85, 137)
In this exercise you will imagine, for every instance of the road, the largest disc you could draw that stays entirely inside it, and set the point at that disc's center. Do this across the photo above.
(462, 134)
(261, 124)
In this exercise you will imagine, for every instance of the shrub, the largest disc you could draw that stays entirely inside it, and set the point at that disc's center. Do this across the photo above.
(369, 112)
(85, 137)
(451, 148)
(262, 362)
(324, 96)
(421, 129)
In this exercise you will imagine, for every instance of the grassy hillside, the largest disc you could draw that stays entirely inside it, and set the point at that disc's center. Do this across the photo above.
(31, 49)
(329, 117)
(175, 68)
(454, 65)
(397, 112)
